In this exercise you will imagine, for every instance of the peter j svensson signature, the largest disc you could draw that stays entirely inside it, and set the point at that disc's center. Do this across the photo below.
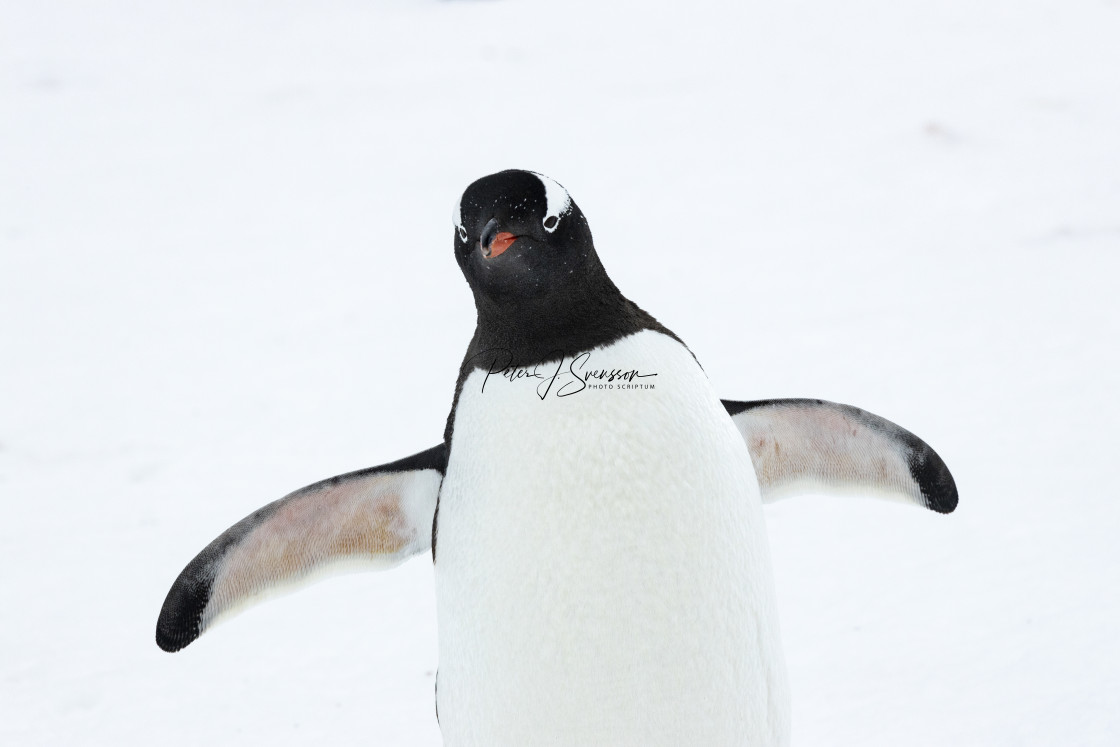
(567, 377)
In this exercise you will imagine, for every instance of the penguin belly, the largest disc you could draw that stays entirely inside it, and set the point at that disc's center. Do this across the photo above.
(602, 569)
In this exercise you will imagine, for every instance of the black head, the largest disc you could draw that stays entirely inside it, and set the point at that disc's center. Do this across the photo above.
(539, 287)
(519, 236)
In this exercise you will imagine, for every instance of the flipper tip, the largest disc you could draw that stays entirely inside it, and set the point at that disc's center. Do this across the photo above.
(934, 480)
(180, 618)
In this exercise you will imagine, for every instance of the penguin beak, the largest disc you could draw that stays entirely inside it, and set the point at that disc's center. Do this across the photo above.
(493, 242)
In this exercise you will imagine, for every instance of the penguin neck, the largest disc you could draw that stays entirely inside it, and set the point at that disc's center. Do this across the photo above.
(580, 315)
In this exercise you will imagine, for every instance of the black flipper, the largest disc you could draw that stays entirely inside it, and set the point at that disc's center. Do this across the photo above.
(807, 445)
(373, 518)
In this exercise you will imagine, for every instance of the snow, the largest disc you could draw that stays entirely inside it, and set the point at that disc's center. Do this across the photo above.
(226, 272)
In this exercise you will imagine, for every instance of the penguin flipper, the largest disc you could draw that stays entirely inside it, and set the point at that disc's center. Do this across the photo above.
(806, 445)
(374, 518)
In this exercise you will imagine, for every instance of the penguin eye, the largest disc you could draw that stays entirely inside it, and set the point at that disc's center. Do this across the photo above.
(462, 234)
(550, 223)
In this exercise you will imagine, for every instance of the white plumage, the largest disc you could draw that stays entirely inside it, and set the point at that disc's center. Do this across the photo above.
(603, 574)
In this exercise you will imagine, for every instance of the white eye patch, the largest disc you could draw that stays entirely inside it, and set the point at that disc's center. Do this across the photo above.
(557, 202)
(457, 219)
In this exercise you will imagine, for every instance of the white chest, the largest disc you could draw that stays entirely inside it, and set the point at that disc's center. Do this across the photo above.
(602, 571)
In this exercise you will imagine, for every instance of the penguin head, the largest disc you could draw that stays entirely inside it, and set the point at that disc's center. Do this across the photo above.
(519, 235)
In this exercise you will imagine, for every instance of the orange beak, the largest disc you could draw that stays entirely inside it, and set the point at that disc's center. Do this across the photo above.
(500, 243)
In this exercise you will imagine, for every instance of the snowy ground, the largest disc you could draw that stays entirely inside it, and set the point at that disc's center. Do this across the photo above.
(226, 271)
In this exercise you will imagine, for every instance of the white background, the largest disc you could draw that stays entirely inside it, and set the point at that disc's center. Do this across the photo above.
(226, 272)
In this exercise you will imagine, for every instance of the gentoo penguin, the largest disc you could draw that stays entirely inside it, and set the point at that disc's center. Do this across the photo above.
(594, 510)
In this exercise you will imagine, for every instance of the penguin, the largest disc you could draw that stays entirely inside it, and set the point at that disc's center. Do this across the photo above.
(594, 510)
